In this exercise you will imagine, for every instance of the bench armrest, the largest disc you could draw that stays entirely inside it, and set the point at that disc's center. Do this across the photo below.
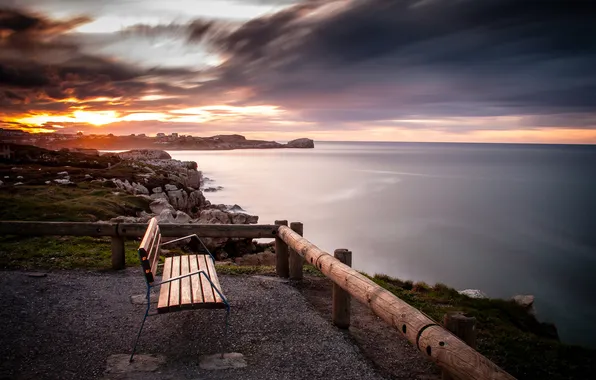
(190, 236)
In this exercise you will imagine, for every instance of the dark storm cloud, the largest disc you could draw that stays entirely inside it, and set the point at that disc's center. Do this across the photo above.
(36, 75)
(406, 58)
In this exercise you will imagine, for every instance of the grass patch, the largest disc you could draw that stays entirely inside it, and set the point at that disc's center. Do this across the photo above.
(51, 252)
(85, 202)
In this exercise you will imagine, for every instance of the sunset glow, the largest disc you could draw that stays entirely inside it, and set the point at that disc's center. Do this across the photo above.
(331, 70)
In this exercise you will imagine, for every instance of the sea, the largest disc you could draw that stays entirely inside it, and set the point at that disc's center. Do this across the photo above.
(506, 219)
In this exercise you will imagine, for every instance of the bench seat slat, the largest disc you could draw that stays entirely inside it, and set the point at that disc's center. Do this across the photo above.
(175, 285)
(213, 277)
(164, 291)
(185, 286)
(196, 287)
(207, 289)
(197, 290)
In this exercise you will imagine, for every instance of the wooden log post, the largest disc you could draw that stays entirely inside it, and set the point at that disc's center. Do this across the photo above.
(296, 261)
(282, 265)
(118, 253)
(341, 298)
(463, 327)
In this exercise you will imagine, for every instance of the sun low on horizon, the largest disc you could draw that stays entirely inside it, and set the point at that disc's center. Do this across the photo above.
(277, 70)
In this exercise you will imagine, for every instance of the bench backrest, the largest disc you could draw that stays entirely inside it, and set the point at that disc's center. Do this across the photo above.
(149, 250)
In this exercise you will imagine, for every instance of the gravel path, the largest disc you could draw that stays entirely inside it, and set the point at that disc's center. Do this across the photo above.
(66, 325)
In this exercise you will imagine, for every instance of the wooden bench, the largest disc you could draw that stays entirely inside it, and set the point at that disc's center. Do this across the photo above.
(188, 281)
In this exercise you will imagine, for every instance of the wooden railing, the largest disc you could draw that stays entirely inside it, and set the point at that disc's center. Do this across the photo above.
(456, 358)
(119, 231)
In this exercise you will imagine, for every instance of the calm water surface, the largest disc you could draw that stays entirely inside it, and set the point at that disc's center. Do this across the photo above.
(505, 219)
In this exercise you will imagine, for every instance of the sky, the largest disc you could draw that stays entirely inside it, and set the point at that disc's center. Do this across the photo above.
(349, 70)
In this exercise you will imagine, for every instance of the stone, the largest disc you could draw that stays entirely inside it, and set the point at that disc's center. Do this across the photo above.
(19, 177)
(213, 216)
(1, 183)
(140, 189)
(196, 199)
(170, 187)
(47, 182)
(526, 301)
(159, 205)
(193, 179)
(473, 293)
(169, 216)
(119, 364)
(62, 173)
(88, 176)
(213, 189)
(156, 190)
(159, 196)
(178, 199)
(18, 183)
(64, 181)
(219, 361)
(301, 143)
(37, 274)
(235, 208)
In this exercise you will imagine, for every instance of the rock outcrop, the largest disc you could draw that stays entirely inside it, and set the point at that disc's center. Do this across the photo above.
(473, 293)
(303, 143)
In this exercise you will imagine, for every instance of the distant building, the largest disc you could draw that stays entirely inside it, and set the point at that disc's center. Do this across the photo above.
(174, 134)
(161, 135)
(5, 151)
(132, 135)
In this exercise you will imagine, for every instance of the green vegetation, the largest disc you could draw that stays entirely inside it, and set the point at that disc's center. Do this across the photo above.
(52, 252)
(86, 202)
(264, 270)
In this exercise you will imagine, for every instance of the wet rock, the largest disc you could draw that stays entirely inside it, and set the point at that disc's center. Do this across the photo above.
(213, 189)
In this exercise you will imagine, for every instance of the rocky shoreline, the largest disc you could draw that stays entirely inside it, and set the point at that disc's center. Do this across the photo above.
(175, 191)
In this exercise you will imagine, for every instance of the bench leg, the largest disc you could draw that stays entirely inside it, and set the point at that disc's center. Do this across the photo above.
(226, 328)
(134, 348)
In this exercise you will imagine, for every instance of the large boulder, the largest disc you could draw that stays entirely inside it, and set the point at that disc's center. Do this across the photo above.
(525, 301)
(196, 201)
(213, 216)
(159, 205)
(169, 216)
(301, 143)
(242, 218)
(145, 154)
(139, 189)
(178, 199)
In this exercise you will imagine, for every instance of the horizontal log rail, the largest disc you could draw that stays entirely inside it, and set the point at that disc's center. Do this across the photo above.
(26, 228)
(119, 231)
(445, 349)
